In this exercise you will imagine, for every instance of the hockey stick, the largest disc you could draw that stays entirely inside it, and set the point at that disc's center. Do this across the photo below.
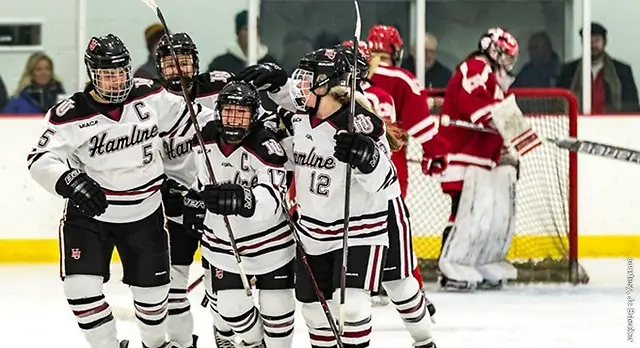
(192, 115)
(347, 191)
(570, 144)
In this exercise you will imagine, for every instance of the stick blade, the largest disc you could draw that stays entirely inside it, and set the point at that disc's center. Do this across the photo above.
(358, 31)
(151, 3)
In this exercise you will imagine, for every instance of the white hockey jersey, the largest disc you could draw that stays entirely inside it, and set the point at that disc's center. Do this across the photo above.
(320, 182)
(116, 145)
(265, 241)
(178, 157)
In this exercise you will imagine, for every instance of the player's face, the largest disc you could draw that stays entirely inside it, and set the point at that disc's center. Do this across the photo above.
(112, 81)
(169, 69)
(236, 116)
(301, 90)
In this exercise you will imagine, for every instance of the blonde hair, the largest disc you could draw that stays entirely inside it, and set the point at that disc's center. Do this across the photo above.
(342, 95)
(27, 75)
(376, 58)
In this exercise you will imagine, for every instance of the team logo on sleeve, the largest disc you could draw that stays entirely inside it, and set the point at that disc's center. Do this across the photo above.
(218, 75)
(363, 124)
(273, 147)
(64, 107)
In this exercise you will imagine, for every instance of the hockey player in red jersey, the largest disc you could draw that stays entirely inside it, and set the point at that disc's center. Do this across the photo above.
(412, 112)
(479, 171)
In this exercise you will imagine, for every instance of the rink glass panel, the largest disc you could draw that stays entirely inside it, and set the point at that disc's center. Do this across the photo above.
(292, 28)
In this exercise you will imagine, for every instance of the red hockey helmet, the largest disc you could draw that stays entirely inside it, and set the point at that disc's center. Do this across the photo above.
(363, 48)
(501, 47)
(386, 38)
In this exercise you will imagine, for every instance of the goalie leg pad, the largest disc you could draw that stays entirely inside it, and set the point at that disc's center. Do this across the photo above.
(180, 319)
(411, 304)
(491, 262)
(240, 313)
(150, 304)
(277, 308)
(93, 314)
(473, 220)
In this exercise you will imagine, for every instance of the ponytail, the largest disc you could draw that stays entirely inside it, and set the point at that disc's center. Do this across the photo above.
(393, 133)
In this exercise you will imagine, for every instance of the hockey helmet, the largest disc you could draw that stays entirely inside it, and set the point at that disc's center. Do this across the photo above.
(386, 39)
(237, 108)
(500, 47)
(108, 64)
(183, 45)
(326, 67)
(364, 56)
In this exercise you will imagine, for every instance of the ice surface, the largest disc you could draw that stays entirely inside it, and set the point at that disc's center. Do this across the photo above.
(34, 313)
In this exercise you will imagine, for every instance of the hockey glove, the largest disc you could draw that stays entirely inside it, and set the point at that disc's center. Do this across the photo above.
(172, 197)
(265, 76)
(229, 199)
(83, 192)
(357, 150)
(193, 213)
(434, 166)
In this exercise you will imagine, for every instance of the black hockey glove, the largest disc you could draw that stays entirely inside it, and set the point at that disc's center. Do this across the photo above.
(193, 213)
(172, 197)
(229, 199)
(83, 192)
(265, 76)
(357, 150)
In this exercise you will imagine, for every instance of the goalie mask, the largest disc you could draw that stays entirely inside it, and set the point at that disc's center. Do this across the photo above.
(108, 64)
(237, 110)
(317, 73)
(500, 47)
(187, 54)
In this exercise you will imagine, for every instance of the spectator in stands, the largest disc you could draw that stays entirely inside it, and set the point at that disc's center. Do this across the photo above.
(436, 75)
(152, 36)
(237, 55)
(38, 89)
(543, 66)
(296, 45)
(3, 94)
(612, 87)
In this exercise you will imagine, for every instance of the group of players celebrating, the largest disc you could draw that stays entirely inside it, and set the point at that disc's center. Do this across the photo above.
(131, 162)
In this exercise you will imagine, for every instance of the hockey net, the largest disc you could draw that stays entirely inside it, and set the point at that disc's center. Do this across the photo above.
(544, 246)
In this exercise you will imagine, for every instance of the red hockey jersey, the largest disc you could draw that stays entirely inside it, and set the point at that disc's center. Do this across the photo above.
(471, 95)
(381, 101)
(412, 115)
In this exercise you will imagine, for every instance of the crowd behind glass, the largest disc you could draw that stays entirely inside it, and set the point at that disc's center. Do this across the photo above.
(613, 86)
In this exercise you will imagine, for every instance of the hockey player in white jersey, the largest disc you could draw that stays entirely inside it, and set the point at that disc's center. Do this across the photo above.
(248, 163)
(179, 163)
(100, 150)
(397, 279)
(321, 151)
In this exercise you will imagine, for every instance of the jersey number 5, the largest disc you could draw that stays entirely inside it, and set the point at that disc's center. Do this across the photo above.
(45, 137)
(147, 154)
